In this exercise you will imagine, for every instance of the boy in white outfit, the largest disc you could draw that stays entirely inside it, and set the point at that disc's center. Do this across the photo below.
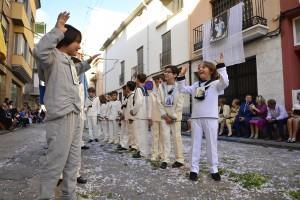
(140, 112)
(91, 108)
(123, 132)
(155, 121)
(205, 112)
(103, 124)
(129, 119)
(170, 102)
(113, 117)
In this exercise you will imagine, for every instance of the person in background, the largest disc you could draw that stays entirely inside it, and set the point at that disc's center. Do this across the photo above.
(243, 118)
(155, 122)
(277, 115)
(114, 116)
(235, 106)
(258, 121)
(293, 122)
(124, 131)
(91, 109)
(102, 117)
(140, 111)
(224, 111)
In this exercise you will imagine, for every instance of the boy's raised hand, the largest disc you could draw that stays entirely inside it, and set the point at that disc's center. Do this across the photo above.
(61, 21)
(183, 71)
(221, 59)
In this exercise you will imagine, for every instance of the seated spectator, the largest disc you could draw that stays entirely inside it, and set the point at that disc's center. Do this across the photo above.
(260, 111)
(224, 111)
(243, 118)
(23, 117)
(5, 117)
(277, 115)
(294, 121)
(235, 106)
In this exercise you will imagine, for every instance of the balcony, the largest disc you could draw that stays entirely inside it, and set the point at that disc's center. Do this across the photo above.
(254, 24)
(21, 69)
(19, 15)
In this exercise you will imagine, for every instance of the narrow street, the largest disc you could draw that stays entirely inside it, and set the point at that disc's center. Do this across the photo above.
(113, 175)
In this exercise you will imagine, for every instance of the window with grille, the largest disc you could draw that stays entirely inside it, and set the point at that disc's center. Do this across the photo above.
(122, 75)
(140, 60)
(242, 80)
(20, 44)
(5, 28)
(166, 49)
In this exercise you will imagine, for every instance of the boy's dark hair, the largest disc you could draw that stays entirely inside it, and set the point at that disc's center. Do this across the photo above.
(124, 87)
(131, 85)
(173, 68)
(271, 102)
(91, 90)
(71, 35)
(114, 92)
(141, 77)
(102, 99)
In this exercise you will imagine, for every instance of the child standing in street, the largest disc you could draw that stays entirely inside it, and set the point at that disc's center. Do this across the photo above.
(170, 103)
(115, 109)
(205, 112)
(63, 104)
(91, 107)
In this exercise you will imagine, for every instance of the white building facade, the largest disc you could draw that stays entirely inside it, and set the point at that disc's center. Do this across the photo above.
(156, 34)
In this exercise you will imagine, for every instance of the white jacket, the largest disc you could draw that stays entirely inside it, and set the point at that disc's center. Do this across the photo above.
(103, 111)
(207, 108)
(114, 109)
(175, 111)
(141, 107)
(129, 106)
(154, 112)
(92, 111)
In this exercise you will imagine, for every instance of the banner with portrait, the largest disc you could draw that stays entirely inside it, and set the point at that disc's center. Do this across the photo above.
(219, 27)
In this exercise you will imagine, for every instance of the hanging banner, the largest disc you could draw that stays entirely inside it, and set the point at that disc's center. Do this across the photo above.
(219, 27)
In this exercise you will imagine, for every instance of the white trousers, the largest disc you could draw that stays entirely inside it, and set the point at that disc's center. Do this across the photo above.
(114, 131)
(132, 135)
(210, 128)
(143, 139)
(157, 142)
(63, 156)
(124, 134)
(105, 130)
(175, 128)
(93, 127)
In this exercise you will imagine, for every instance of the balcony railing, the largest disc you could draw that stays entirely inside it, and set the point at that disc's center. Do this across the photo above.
(198, 37)
(253, 14)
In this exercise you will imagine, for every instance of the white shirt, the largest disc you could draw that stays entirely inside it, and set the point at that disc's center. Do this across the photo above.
(140, 108)
(103, 110)
(207, 108)
(94, 109)
(115, 108)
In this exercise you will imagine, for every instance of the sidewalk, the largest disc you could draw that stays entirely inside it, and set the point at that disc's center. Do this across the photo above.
(261, 142)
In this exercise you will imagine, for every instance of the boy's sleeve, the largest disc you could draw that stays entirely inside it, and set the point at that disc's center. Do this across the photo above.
(82, 67)
(44, 50)
(223, 81)
(182, 87)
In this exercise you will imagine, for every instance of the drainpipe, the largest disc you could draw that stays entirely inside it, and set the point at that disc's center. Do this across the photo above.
(190, 83)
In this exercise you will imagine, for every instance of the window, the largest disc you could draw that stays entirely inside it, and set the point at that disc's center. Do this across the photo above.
(296, 30)
(19, 44)
(219, 6)
(5, 28)
(122, 75)
(140, 60)
(166, 49)
(243, 80)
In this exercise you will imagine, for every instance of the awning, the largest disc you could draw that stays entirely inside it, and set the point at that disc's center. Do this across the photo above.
(3, 48)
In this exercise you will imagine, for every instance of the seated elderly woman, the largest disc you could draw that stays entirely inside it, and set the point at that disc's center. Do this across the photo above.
(235, 106)
(224, 111)
(260, 111)
(294, 121)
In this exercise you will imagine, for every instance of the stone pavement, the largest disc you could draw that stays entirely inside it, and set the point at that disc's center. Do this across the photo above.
(249, 172)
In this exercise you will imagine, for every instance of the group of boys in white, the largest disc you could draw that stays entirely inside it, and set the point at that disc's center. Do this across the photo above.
(157, 107)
